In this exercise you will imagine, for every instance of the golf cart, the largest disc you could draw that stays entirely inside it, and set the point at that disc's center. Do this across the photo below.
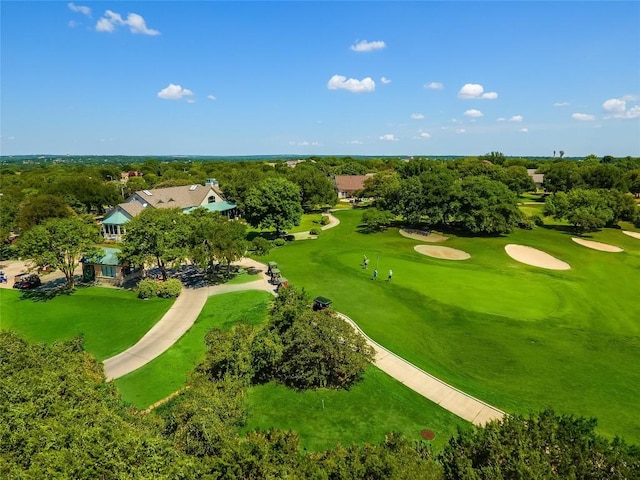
(321, 303)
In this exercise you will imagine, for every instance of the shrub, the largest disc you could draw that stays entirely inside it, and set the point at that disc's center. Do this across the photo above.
(315, 231)
(170, 288)
(537, 219)
(261, 246)
(147, 288)
(324, 220)
(279, 242)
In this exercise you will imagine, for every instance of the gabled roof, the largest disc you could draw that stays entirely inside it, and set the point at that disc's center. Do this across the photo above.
(351, 183)
(214, 207)
(109, 256)
(180, 197)
(122, 213)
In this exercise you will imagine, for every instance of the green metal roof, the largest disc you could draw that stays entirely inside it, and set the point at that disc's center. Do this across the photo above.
(109, 257)
(117, 217)
(214, 207)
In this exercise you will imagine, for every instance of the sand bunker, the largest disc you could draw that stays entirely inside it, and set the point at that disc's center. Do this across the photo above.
(632, 234)
(446, 253)
(534, 257)
(603, 247)
(423, 236)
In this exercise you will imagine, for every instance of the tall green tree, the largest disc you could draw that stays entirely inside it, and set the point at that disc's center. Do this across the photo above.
(60, 243)
(160, 235)
(36, 209)
(274, 203)
(587, 210)
(316, 188)
(486, 206)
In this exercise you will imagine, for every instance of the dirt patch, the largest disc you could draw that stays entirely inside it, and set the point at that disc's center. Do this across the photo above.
(632, 234)
(534, 257)
(445, 253)
(602, 247)
(423, 236)
(427, 434)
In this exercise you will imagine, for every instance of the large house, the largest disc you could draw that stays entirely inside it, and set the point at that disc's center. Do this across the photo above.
(188, 198)
(347, 185)
(538, 178)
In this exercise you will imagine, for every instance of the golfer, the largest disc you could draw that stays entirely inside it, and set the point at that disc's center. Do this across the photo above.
(375, 274)
(390, 275)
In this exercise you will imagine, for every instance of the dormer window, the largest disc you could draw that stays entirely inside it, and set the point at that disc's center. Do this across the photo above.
(211, 199)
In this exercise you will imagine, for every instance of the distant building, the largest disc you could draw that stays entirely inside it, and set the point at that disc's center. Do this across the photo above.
(107, 268)
(347, 185)
(186, 197)
(538, 178)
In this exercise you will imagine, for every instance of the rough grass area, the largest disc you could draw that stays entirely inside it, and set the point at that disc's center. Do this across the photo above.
(516, 336)
(168, 372)
(111, 320)
(365, 413)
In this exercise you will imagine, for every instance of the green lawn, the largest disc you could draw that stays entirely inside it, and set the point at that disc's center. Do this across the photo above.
(167, 373)
(308, 221)
(111, 320)
(516, 336)
(365, 413)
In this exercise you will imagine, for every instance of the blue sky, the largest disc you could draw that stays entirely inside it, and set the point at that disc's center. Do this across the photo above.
(320, 78)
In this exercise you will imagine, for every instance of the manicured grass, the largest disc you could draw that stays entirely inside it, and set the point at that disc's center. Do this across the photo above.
(365, 413)
(242, 278)
(514, 335)
(111, 320)
(308, 221)
(168, 373)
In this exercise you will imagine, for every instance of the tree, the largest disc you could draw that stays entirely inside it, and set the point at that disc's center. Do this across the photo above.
(316, 188)
(633, 180)
(60, 243)
(540, 446)
(486, 206)
(518, 180)
(36, 209)
(214, 237)
(274, 203)
(586, 210)
(605, 176)
(376, 220)
(381, 186)
(408, 200)
(158, 234)
(497, 158)
(562, 176)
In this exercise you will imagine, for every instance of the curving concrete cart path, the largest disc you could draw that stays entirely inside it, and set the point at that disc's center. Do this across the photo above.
(184, 312)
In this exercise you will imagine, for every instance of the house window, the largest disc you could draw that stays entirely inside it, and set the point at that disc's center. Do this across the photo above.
(108, 271)
(211, 199)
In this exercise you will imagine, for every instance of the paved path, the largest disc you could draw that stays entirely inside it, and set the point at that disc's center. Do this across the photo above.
(448, 397)
(175, 323)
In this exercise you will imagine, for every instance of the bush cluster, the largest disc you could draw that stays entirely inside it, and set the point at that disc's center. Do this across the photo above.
(279, 242)
(149, 288)
(261, 246)
(315, 231)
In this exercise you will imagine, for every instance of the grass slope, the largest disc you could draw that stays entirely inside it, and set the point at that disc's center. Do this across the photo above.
(111, 320)
(365, 413)
(168, 372)
(516, 336)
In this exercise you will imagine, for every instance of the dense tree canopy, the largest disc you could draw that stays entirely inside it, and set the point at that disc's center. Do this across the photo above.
(274, 203)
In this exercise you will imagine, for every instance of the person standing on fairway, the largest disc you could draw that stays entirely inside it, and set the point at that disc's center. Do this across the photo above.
(390, 275)
(375, 274)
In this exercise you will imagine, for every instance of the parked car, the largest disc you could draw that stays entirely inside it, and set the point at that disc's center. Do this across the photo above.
(25, 281)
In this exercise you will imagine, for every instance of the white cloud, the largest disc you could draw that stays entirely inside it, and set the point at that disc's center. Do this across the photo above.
(425, 135)
(111, 20)
(339, 82)
(502, 119)
(354, 142)
(79, 8)
(305, 143)
(561, 104)
(417, 116)
(211, 97)
(516, 118)
(473, 113)
(629, 98)
(73, 24)
(174, 92)
(364, 46)
(474, 90)
(614, 105)
(460, 130)
(388, 137)
(385, 80)
(583, 116)
(434, 86)
(524, 130)
(190, 100)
